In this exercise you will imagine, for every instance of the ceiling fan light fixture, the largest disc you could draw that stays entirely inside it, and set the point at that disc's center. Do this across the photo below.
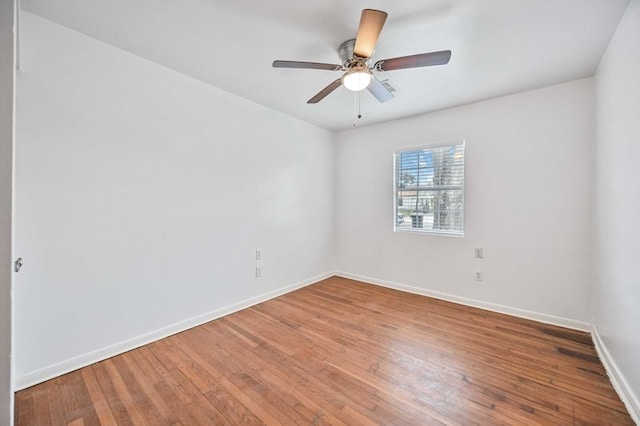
(356, 55)
(357, 79)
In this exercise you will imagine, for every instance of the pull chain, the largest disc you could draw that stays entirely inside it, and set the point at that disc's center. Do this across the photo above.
(356, 107)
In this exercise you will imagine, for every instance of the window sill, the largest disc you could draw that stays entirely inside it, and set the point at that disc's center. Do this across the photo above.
(429, 232)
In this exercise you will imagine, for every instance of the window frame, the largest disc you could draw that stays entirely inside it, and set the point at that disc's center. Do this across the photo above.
(429, 146)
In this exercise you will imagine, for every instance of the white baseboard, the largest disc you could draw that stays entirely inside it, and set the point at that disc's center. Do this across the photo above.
(620, 384)
(55, 370)
(522, 313)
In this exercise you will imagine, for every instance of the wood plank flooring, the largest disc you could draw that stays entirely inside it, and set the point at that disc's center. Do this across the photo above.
(346, 353)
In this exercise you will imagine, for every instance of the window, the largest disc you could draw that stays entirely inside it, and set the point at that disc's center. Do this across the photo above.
(429, 189)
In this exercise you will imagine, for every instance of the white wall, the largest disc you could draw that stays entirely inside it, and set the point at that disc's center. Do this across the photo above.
(141, 197)
(142, 194)
(7, 75)
(616, 296)
(528, 199)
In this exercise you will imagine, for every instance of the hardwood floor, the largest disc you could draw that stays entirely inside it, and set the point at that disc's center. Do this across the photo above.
(342, 352)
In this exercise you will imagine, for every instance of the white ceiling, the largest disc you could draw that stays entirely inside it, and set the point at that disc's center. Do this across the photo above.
(499, 46)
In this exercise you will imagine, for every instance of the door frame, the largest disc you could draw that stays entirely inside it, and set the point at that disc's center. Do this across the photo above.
(8, 61)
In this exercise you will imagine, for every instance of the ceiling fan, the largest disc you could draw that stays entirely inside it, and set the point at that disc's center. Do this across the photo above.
(356, 55)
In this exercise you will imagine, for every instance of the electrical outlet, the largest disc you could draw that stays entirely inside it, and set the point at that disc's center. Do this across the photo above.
(478, 275)
(258, 254)
(258, 271)
(479, 253)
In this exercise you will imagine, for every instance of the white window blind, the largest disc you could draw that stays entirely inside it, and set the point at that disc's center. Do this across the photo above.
(429, 189)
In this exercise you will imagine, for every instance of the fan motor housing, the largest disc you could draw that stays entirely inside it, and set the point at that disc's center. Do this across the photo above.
(345, 52)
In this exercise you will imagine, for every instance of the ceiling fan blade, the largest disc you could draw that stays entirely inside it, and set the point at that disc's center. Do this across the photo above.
(414, 61)
(324, 92)
(371, 22)
(306, 65)
(377, 89)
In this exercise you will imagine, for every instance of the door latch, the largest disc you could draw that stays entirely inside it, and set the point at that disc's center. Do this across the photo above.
(17, 264)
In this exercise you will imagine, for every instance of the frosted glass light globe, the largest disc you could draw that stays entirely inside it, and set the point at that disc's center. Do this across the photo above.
(357, 79)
